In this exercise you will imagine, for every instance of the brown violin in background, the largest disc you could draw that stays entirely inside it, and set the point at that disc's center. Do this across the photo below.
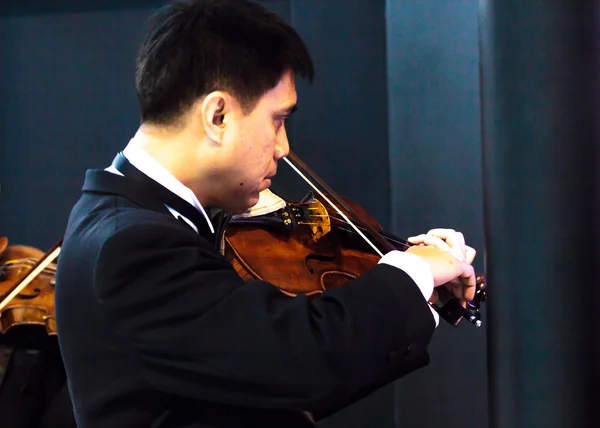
(27, 277)
(314, 245)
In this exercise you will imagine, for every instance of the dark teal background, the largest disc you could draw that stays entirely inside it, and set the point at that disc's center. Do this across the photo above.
(392, 122)
(540, 63)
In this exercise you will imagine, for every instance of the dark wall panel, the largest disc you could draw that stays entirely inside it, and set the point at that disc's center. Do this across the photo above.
(540, 92)
(69, 104)
(66, 81)
(66, 78)
(435, 167)
(67, 84)
(340, 129)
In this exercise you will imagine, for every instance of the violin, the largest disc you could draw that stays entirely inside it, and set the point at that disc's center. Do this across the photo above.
(27, 278)
(314, 245)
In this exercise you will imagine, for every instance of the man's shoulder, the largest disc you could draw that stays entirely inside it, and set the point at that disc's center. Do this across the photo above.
(117, 241)
(107, 215)
(133, 227)
(103, 224)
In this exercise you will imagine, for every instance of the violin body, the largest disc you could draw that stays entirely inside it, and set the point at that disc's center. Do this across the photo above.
(34, 305)
(307, 247)
(303, 248)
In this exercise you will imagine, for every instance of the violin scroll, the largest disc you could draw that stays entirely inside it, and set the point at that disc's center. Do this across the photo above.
(451, 311)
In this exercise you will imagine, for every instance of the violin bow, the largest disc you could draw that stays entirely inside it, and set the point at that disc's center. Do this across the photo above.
(451, 311)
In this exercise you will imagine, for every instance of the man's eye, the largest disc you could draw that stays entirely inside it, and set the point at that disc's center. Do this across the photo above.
(280, 120)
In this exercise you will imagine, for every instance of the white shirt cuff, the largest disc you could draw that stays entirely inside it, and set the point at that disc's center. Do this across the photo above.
(418, 270)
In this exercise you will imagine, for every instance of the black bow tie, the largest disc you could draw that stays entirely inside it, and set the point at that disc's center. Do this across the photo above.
(122, 164)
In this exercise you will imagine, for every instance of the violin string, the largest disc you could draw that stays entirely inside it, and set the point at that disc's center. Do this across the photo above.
(51, 269)
(333, 205)
(25, 264)
(45, 272)
(30, 260)
(401, 244)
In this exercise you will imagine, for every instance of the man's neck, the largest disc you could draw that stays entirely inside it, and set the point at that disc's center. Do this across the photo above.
(148, 165)
(178, 151)
(152, 141)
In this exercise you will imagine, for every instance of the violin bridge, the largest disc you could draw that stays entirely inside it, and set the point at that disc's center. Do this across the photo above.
(320, 223)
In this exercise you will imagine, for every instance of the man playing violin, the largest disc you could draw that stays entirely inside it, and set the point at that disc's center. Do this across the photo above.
(155, 327)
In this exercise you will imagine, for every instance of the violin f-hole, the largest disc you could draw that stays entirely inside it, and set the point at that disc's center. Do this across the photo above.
(319, 257)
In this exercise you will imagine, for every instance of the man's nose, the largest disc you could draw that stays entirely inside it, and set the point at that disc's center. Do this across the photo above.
(283, 146)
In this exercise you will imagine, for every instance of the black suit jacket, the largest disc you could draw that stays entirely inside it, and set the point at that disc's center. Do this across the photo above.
(156, 329)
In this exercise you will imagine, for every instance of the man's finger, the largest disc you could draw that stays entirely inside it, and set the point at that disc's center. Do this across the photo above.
(431, 240)
(457, 290)
(470, 254)
(469, 282)
(461, 240)
(450, 236)
(454, 239)
(434, 297)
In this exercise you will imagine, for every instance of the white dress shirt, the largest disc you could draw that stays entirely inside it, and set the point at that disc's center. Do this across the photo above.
(413, 265)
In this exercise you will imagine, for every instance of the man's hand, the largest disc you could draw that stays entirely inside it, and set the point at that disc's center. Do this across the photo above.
(448, 240)
(450, 261)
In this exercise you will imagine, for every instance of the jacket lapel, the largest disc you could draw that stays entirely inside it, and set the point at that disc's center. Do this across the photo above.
(104, 182)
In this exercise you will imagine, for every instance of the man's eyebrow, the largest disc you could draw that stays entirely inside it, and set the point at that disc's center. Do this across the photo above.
(287, 110)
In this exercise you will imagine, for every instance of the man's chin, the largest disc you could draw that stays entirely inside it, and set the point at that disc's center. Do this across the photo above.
(252, 201)
(243, 208)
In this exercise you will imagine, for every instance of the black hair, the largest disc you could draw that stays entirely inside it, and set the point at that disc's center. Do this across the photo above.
(194, 47)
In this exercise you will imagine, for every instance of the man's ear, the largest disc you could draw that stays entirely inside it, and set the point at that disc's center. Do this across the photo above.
(214, 108)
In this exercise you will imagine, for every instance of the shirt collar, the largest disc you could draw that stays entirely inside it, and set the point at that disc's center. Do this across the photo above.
(153, 169)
